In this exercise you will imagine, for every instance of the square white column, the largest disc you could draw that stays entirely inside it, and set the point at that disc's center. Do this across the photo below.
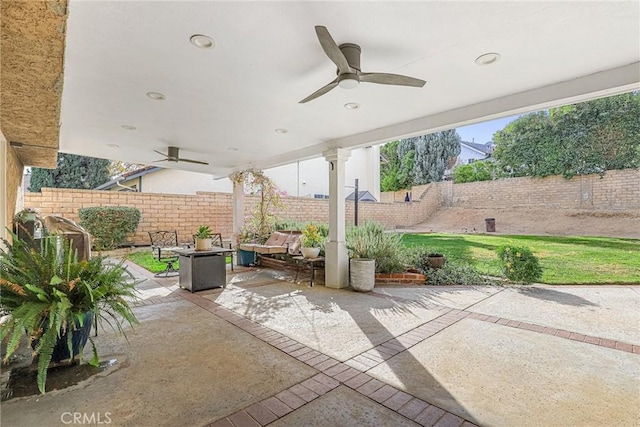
(336, 256)
(238, 209)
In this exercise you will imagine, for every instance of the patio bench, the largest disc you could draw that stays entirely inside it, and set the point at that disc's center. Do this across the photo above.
(280, 242)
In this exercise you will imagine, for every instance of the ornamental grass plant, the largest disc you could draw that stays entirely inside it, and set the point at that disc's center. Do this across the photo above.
(370, 240)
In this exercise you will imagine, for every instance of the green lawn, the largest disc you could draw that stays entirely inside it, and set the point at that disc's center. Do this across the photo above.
(565, 260)
(146, 260)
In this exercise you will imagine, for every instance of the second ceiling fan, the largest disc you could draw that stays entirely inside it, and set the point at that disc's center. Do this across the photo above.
(347, 59)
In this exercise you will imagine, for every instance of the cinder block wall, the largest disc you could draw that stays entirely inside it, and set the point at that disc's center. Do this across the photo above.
(619, 190)
(183, 213)
(615, 190)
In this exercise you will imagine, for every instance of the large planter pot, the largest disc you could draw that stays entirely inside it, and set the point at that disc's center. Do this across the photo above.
(246, 258)
(363, 274)
(203, 244)
(310, 252)
(79, 338)
(436, 261)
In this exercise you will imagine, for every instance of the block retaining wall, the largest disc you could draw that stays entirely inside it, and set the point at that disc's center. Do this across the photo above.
(616, 190)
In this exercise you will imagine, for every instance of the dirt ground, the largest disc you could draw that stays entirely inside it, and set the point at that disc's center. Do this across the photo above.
(554, 222)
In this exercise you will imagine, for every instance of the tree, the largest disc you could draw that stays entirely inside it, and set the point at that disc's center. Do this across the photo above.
(584, 138)
(434, 153)
(72, 172)
(418, 160)
(117, 167)
(390, 169)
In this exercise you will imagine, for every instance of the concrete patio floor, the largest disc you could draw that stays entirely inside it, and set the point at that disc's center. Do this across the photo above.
(265, 350)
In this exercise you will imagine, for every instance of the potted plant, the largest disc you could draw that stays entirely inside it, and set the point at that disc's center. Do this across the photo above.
(54, 298)
(361, 244)
(311, 241)
(203, 238)
(435, 260)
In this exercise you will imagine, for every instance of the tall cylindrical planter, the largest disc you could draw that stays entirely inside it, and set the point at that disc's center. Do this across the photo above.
(363, 274)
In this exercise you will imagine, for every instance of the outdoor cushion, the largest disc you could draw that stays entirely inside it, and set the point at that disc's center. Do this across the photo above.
(280, 242)
(278, 238)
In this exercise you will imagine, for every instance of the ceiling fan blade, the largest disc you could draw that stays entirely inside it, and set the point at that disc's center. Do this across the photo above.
(193, 161)
(320, 91)
(391, 79)
(161, 160)
(332, 50)
(162, 154)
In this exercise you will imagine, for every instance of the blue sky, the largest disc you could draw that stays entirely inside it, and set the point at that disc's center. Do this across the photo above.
(483, 132)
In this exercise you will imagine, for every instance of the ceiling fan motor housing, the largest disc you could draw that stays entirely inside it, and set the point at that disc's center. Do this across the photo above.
(351, 52)
(172, 154)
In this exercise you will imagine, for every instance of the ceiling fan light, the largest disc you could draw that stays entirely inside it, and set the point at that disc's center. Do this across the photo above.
(348, 81)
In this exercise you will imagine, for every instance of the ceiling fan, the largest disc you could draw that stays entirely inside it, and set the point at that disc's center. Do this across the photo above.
(173, 156)
(347, 59)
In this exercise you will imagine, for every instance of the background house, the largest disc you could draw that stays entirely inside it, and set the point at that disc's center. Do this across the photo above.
(305, 178)
(471, 151)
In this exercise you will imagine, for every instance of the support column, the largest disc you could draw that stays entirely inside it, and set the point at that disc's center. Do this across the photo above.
(336, 257)
(238, 209)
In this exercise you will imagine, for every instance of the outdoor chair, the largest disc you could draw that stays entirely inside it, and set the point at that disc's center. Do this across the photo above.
(163, 245)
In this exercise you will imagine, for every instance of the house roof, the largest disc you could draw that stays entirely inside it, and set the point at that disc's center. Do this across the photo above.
(364, 196)
(480, 148)
(223, 105)
(127, 176)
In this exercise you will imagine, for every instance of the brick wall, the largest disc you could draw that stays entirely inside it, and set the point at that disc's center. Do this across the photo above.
(615, 190)
(184, 213)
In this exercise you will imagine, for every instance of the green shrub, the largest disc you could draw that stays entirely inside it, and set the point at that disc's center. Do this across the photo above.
(109, 225)
(477, 171)
(291, 224)
(519, 264)
(416, 256)
(456, 273)
(453, 272)
(370, 241)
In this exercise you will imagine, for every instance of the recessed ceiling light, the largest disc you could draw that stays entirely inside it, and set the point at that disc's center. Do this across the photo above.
(113, 146)
(156, 96)
(128, 127)
(280, 130)
(202, 41)
(232, 149)
(488, 59)
(352, 106)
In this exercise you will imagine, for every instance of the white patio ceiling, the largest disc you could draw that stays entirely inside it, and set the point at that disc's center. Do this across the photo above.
(224, 104)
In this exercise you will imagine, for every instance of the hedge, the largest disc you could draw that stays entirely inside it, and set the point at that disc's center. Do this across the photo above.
(109, 225)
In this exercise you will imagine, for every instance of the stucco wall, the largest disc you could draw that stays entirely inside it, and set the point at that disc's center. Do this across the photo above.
(12, 177)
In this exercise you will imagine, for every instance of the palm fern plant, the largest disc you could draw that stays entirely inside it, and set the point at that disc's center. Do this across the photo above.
(51, 295)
